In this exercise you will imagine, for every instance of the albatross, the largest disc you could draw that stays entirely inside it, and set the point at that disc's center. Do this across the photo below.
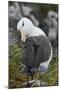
(37, 50)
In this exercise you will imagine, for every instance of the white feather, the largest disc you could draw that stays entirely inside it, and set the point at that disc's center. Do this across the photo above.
(36, 32)
(29, 28)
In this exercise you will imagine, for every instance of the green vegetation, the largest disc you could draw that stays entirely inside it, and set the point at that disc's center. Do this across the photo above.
(16, 70)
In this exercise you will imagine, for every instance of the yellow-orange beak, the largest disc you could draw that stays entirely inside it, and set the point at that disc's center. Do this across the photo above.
(23, 36)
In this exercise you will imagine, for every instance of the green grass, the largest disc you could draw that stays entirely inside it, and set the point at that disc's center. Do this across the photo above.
(17, 77)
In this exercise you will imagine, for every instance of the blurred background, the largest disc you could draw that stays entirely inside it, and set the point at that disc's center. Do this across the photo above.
(44, 16)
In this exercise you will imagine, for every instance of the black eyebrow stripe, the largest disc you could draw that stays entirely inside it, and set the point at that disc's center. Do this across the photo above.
(23, 24)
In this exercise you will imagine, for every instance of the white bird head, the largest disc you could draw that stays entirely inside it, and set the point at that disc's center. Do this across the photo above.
(25, 27)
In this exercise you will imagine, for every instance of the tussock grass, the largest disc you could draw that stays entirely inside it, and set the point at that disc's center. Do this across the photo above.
(17, 76)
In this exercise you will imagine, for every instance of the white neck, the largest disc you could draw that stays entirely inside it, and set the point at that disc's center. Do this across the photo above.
(36, 32)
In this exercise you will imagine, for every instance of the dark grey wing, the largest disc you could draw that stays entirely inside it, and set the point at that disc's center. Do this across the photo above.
(28, 57)
(44, 49)
(36, 51)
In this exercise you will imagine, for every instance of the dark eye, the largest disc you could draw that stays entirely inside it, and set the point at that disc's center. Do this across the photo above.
(52, 16)
(22, 24)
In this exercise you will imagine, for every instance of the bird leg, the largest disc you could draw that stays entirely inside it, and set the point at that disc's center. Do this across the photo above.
(28, 84)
